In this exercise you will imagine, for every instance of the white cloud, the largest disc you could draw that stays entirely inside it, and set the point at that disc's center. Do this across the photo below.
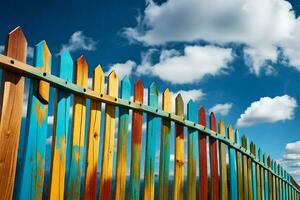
(222, 109)
(78, 41)
(268, 110)
(263, 27)
(50, 120)
(49, 140)
(122, 69)
(195, 63)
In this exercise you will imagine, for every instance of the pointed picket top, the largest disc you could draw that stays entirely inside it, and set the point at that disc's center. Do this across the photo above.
(66, 66)
(167, 101)
(191, 114)
(179, 107)
(16, 38)
(202, 116)
(221, 127)
(98, 79)
(230, 133)
(244, 141)
(125, 88)
(260, 157)
(112, 86)
(269, 161)
(212, 120)
(153, 94)
(237, 138)
(82, 72)
(138, 91)
(265, 158)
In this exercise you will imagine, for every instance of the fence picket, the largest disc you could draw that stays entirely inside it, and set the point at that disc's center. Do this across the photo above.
(203, 174)
(108, 140)
(192, 152)
(266, 178)
(79, 114)
(179, 151)
(120, 190)
(16, 48)
(249, 170)
(60, 130)
(245, 170)
(223, 164)
(152, 127)
(261, 174)
(93, 137)
(136, 140)
(270, 181)
(214, 160)
(164, 161)
(232, 167)
(239, 167)
(253, 170)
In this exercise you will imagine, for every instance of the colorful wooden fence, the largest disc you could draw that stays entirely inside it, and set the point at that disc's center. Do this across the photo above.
(248, 173)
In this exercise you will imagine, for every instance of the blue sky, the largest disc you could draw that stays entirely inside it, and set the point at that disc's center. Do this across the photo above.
(240, 60)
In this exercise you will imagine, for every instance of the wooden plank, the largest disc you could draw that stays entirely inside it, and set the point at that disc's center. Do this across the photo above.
(79, 114)
(262, 179)
(11, 114)
(270, 181)
(90, 189)
(152, 127)
(253, 170)
(249, 171)
(179, 152)
(223, 164)
(108, 140)
(60, 130)
(120, 190)
(30, 178)
(239, 167)
(214, 160)
(136, 140)
(266, 178)
(258, 174)
(192, 152)
(245, 170)
(164, 161)
(203, 174)
(232, 167)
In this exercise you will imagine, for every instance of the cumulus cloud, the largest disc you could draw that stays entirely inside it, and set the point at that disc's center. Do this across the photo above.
(78, 41)
(191, 66)
(122, 69)
(268, 110)
(222, 109)
(263, 27)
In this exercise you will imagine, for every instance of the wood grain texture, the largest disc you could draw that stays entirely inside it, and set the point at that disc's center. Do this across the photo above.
(239, 167)
(214, 160)
(78, 131)
(233, 184)
(108, 140)
(192, 152)
(93, 138)
(245, 170)
(164, 161)
(179, 152)
(203, 173)
(120, 190)
(152, 135)
(60, 130)
(30, 177)
(11, 113)
(223, 165)
(136, 140)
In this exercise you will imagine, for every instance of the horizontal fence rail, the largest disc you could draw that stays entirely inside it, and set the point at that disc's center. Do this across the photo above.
(247, 174)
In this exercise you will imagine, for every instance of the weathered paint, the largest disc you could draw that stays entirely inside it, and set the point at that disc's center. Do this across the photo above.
(60, 130)
(90, 186)
(31, 175)
(203, 174)
(233, 186)
(192, 152)
(136, 140)
(223, 164)
(79, 115)
(164, 161)
(152, 127)
(214, 160)
(108, 140)
(120, 190)
(239, 167)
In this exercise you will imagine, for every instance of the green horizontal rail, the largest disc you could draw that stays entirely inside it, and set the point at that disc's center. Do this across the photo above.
(24, 69)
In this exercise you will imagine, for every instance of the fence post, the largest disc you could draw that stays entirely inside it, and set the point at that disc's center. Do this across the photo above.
(179, 151)
(30, 178)
(122, 141)
(61, 129)
(11, 114)
(136, 140)
(223, 164)
(232, 167)
(93, 137)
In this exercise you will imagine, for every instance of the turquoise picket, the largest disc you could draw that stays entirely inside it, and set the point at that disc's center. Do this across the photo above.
(233, 187)
(286, 186)
(192, 151)
(266, 178)
(30, 178)
(253, 164)
(152, 127)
